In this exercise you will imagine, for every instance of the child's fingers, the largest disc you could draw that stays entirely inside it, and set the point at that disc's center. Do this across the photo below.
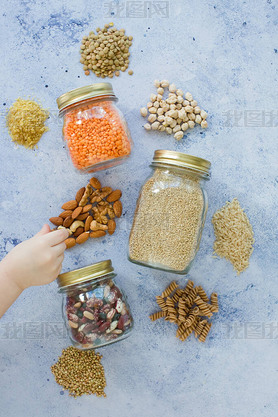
(59, 249)
(56, 237)
(44, 230)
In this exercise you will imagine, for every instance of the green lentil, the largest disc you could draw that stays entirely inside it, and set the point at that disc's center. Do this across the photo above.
(107, 50)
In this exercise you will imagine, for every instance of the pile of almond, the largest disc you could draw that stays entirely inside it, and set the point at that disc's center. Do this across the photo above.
(91, 214)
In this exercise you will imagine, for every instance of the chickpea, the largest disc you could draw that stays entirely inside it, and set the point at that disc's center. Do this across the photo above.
(160, 91)
(172, 88)
(156, 83)
(198, 119)
(143, 111)
(160, 111)
(203, 114)
(184, 126)
(164, 83)
(153, 97)
(151, 118)
(176, 129)
(147, 126)
(188, 96)
(191, 124)
(204, 124)
(155, 125)
(178, 135)
(169, 130)
(152, 110)
(197, 110)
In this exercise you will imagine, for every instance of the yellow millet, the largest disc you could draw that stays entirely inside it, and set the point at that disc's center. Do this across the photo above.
(25, 122)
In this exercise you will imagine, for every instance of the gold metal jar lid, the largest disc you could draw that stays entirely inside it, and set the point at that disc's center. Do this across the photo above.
(90, 272)
(182, 160)
(84, 93)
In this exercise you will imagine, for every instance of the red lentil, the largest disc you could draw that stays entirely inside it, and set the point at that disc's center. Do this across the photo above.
(95, 133)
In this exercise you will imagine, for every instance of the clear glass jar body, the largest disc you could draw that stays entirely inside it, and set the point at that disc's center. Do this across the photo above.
(169, 219)
(96, 134)
(96, 313)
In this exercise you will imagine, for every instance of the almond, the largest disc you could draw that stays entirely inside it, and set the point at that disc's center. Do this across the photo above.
(79, 194)
(70, 205)
(65, 214)
(76, 212)
(82, 238)
(68, 221)
(95, 183)
(82, 216)
(78, 231)
(87, 208)
(106, 190)
(70, 242)
(118, 208)
(114, 196)
(111, 226)
(88, 222)
(58, 221)
(98, 233)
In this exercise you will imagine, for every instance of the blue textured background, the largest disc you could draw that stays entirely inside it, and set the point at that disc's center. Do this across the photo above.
(225, 54)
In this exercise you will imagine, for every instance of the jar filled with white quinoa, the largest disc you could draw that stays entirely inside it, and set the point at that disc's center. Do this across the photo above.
(170, 213)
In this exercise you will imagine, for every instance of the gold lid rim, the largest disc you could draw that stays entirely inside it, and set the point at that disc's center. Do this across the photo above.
(89, 272)
(182, 160)
(84, 93)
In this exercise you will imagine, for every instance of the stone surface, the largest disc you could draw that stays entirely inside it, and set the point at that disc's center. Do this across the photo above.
(225, 54)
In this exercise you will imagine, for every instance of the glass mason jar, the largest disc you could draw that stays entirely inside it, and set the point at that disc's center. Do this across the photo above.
(94, 129)
(95, 310)
(170, 213)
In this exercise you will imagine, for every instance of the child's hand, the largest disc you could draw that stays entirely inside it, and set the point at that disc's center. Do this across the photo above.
(36, 261)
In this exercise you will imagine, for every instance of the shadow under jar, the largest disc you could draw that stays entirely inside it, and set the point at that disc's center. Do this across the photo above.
(95, 310)
(170, 213)
(94, 129)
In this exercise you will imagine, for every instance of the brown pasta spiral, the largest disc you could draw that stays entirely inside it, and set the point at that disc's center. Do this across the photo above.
(169, 289)
(202, 294)
(200, 326)
(157, 315)
(189, 286)
(204, 307)
(214, 302)
(161, 302)
(205, 332)
(190, 298)
(187, 332)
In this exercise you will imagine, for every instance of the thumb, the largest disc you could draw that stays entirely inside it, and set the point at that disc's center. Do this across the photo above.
(44, 230)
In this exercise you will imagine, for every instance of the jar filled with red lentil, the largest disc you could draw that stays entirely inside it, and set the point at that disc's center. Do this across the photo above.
(95, 309)
(94, 129)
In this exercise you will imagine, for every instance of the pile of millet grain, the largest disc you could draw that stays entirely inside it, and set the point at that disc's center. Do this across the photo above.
(106, 52)
(25, 121)
(80, 372)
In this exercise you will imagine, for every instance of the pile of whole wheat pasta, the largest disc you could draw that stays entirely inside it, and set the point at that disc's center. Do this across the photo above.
(189, 308)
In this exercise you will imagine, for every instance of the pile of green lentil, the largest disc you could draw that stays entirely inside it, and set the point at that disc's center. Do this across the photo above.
(106, 52)
(80, 372)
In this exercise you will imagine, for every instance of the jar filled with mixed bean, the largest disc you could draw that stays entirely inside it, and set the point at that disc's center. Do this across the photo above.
(95, 309)
(94, 129)
(170, 213)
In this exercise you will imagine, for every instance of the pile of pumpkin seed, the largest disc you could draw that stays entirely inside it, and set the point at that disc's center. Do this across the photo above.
(106, 52)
